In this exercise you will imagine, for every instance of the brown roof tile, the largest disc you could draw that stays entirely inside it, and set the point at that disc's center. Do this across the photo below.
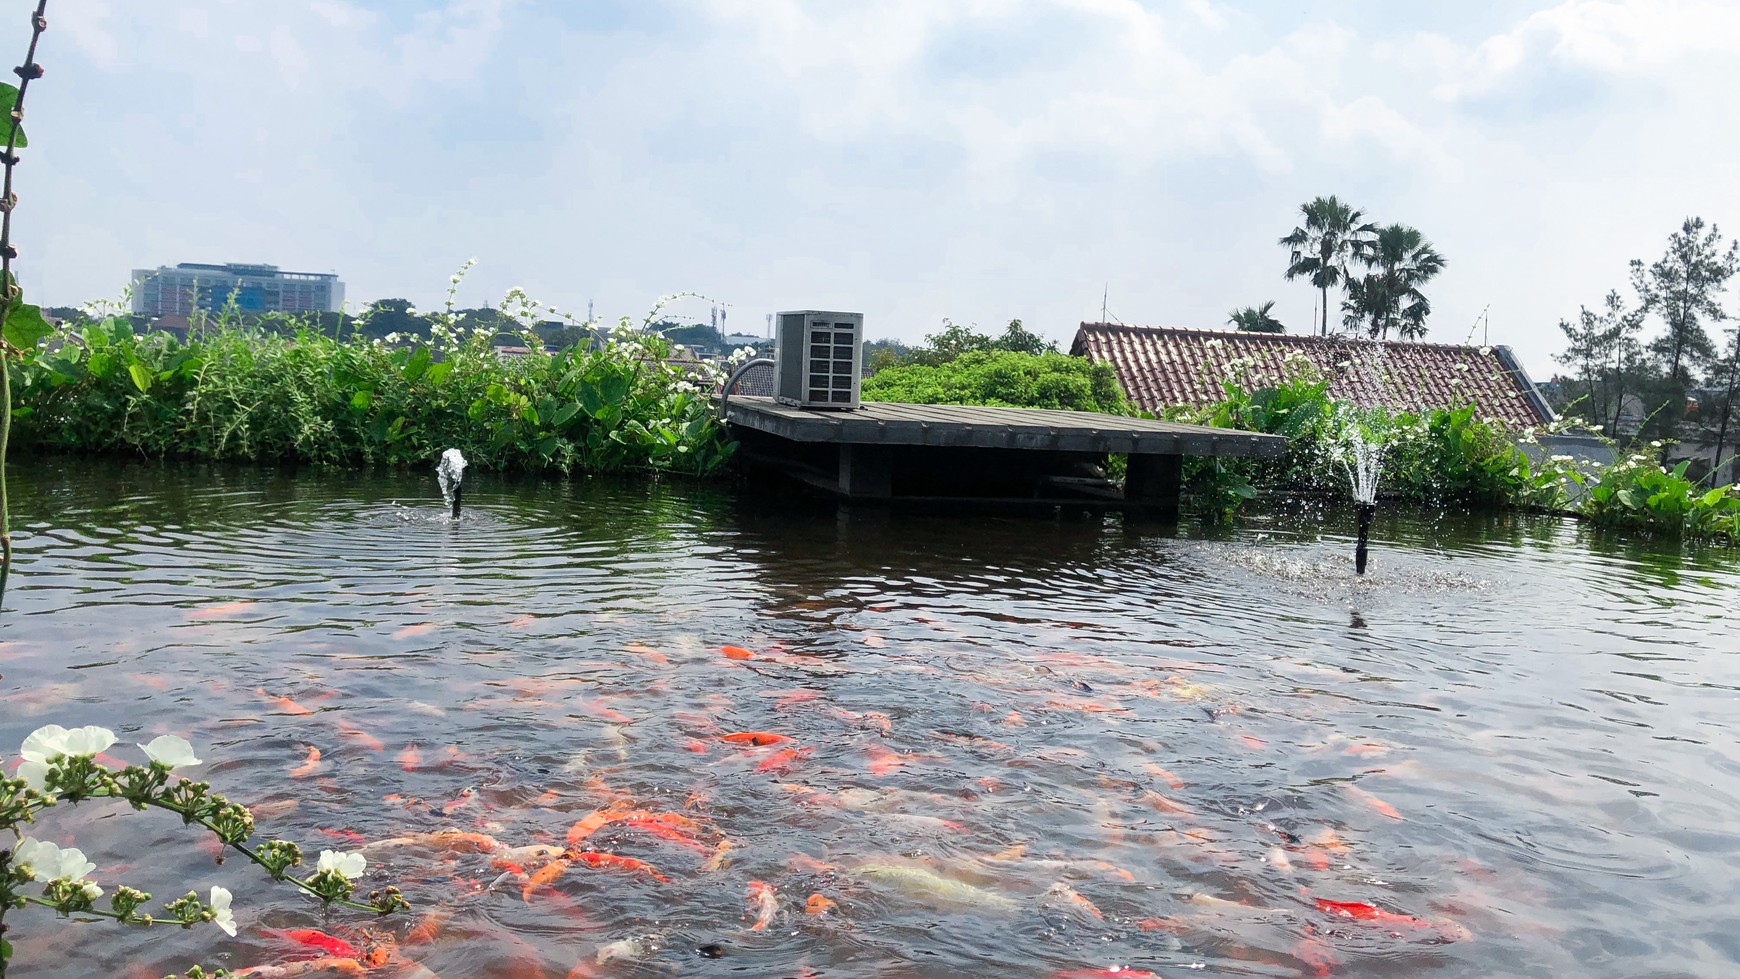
(1162, 367)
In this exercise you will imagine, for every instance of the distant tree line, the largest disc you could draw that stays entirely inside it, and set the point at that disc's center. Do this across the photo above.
(1681, 382)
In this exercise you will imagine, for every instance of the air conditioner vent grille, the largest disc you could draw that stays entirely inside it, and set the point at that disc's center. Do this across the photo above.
(820, 358)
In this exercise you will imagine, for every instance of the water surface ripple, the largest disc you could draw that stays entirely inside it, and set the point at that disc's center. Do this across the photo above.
(1019, 747)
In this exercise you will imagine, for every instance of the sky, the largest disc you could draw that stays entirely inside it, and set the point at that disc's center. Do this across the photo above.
(915, 160)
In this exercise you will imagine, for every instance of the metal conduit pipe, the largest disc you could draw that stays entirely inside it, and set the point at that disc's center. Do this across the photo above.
(731, 382)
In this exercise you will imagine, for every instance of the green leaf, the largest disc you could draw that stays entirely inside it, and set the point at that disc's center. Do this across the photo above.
(25, 326)
(142, 376)
(530, 414)
(417, 366)
(1713, 497)
(361, 400)
(8, 102)
(560, 416)
(438, 372)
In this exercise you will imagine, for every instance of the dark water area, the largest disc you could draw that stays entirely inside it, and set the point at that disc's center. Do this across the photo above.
(1020, 747)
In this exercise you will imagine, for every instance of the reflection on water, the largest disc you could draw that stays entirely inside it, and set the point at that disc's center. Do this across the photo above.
(1017, 747)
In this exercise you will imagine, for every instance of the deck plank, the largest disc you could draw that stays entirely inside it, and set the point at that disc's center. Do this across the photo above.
(883, 423)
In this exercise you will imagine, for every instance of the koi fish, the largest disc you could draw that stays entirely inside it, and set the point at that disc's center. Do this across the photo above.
(324, 966)
(1115, 972)
(414, 630)
(410, 759)
(366, 739)
(736, 652)
(696, 746)
(1172, 781)
(1160, 803)
(924, 885)
(627, 949)
(441, 839)
(755, 738)
(347, 835)
(818, 905)
(218, 611)
(1376, 804)
(791, 698)
(1360, 911)
(669, 834)
(516, 858)
(883, 761)
(765, 904)
(717, 861)
(779, 761)
(310, 938)
(1067, 899)
(309, 765)
(1317, 955)
(648, 653)
(284, 704)
(544, 875)
(610, 861)
(429, 928)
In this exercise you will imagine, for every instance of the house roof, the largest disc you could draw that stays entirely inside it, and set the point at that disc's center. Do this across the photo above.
(1163, 367)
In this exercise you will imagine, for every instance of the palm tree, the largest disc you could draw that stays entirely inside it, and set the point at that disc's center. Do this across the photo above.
(1331, 236)
(1398, 262)
(1256, 319)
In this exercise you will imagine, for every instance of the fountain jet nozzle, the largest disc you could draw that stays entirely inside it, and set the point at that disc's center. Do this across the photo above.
(449, 472)
(1365, 514)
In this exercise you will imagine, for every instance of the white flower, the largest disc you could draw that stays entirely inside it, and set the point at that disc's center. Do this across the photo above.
(220, 911)
(171, 750)
(392, 338)
(1461, 367)
(49, 742)
(1485, 351)
(92, 891)
(348, 865)
(47, 862)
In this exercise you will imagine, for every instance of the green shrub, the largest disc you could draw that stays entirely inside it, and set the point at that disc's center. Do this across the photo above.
(231, 392)
(1005, 379)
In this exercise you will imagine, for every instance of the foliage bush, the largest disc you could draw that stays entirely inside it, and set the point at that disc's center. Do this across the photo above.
(1003, 378)
(253, 393)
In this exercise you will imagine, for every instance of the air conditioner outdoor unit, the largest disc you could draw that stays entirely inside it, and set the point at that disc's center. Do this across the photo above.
(818, 357)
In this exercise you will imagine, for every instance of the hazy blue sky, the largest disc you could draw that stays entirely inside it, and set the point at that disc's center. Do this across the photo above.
(913, 159)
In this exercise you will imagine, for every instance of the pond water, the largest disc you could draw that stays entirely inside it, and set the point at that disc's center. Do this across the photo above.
(1019, 747)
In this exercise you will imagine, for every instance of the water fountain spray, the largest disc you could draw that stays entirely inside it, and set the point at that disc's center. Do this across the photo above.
(449, 472)
(1364, 463)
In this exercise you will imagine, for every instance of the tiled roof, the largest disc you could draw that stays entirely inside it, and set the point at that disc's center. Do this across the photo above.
(1161, 367)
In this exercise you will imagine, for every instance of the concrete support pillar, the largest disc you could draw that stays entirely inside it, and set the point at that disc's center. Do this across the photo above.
(866, 472)
(1154, 482)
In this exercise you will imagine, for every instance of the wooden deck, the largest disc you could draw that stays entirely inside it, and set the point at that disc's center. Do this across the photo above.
(970, 454)
(1036, 429)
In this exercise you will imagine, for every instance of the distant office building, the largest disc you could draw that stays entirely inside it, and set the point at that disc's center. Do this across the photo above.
(191, 286)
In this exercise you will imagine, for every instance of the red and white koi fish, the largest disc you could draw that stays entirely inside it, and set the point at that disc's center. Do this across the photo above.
(764, 903)
(1449, 931)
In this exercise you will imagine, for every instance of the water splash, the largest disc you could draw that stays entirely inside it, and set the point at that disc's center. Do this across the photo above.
(449, 473)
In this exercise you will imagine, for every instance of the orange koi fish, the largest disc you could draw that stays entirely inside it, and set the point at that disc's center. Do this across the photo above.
(883, 761)
(218, 611)
(429, 928)
(1014, 719)
(736, 652)
(1360, 911)
(764, 903)
(307, 969)
(1172, 781)
(779, 761)
(284, 704)
(1376, 804)
(698, 747)
(1115, 972)
(364, 738)
(669, 834)
(1160, 803)
(1317, 955)
(1253, 742)
(310, 938)
(791, 698)
(648, 653)
(592, 822)
(610, 861)
(1067, 899)
(542, 876)
(347, 835)
(755, 738)
(717, 861)
(818, 905)
(414, 630)
(309, 765)
(409, 759)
